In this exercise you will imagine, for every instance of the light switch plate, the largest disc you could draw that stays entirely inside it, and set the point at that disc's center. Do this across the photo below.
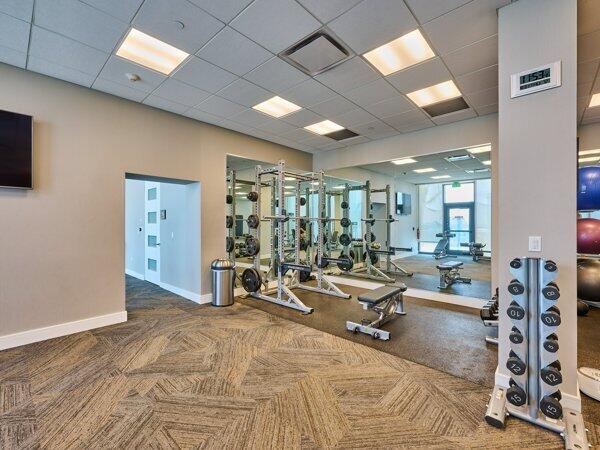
(535, 243)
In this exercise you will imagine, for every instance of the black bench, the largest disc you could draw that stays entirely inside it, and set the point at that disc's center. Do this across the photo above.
(386, 301)
(450, 274)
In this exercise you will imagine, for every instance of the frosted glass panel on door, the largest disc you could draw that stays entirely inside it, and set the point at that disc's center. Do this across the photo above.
(152, 264)
(152, 217)
(152, 194)
(152, 241)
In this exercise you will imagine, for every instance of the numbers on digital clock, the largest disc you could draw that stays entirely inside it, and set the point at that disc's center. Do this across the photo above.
(535, 76)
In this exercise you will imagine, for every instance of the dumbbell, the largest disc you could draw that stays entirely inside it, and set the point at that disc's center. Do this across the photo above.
(515, 311)
(550, 266)
(515, 364)
(515, 287)
(551, 291)
(516, 263)
(515, 336)
(551, 317)
(550, 405)
(551, 374)
(515, 394)
(551, 343)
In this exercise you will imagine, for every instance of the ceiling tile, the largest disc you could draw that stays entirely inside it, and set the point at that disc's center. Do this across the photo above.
(20, 9)
(475, 20)
(588, 12)
(275, 24)
(373, 23)
(354, 118)
(159, 18)
(52, 69)
(276, 75)
(236, 126)
(487, 109)
(250, 118)
(483, 98)
(80, 22)
(203, 116)
(277, 127)
(332, 146)
(455, 116)
(308, 93)
(298, 135)
(123, 10)
(220, 107)
(329, 9)
(119, 89)
(61, 50)
(348, 75)
(483, 53)
(371, 93)
(224, 10)
(375, 130)
(588, 47)
(203, 75)
(391, 107)
(180, 92)
(234, 52)
(303, 118)
(167, 105)
(586, 72)
(420, 76)
(116, 68)
(334, 106)
(13, 57)
(415, 126)
(14, 33)
(401, 120)
(427, 10)
(245, 93)
(315, 140)
(479, 80)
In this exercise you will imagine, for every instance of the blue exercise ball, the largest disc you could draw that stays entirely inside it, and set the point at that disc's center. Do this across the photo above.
(588, 192)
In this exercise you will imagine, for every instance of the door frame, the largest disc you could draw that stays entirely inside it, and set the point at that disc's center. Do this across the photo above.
(465, 205)
(152, 229)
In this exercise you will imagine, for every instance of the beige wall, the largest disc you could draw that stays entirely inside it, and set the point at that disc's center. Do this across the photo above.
(62, 243)
(589, 136)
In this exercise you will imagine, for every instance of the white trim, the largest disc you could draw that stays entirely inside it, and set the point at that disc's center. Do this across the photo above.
(469, 302)
(205, 298)
(133, 273)
(62, 329)
(196, 298)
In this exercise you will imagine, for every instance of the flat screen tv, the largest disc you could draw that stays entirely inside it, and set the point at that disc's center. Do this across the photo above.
(15, 150)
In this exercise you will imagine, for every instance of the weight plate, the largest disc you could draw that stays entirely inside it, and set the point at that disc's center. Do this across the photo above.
(251, 280)
(516, 288)
(344, 205)
(253, 221)
(345, 239)
(515, 312)
(551, 345)
(516, 395)
(229, 199)
(515, 337)
(551, 292)
(551, 376)
(252, 246)
(550, 318)
(373, 238)
(302, 201)
(229, 244)
(551, 407)
(252, 196)
(346, 263)
(324, 262)
(345, 222)
(550, 266)
(228, 221)
(515, 365)
(374, 257)
(516, 263)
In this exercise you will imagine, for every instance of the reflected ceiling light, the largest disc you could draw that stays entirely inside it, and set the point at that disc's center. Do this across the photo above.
(339, 188)
(406, 51)
(277, 107)
(486, 163)
(290, 179)
(481, 149)
(440, 177)
(325, 127)
(589, 159)
(400, 162)
(435, 94)
(426, 170)
(150, 52)
(595, 101)
(589, 152)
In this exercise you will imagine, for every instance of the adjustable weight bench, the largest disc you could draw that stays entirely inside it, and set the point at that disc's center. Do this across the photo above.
(386, 301)
(450, 274)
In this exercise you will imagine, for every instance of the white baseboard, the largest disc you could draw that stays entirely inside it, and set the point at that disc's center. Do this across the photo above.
(133, 273)
(63, 329)
(205, 298)
(196, 298)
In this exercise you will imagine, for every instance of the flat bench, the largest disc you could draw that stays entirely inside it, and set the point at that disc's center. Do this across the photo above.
(450, 274)
(449, 265)
(387, 301)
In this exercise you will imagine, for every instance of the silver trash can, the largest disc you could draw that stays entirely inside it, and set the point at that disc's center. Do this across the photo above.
(223, 280)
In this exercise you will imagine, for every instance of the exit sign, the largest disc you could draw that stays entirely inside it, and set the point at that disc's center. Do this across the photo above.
(535, 80)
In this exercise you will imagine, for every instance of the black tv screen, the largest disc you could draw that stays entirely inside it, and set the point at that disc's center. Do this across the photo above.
(15, 150)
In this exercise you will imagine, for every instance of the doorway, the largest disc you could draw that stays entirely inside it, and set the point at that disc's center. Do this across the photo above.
(459, 220)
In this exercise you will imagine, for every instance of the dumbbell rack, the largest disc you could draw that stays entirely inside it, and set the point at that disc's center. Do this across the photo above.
(533, 393)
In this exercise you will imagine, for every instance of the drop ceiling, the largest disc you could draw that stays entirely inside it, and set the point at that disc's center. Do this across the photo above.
(234, 63)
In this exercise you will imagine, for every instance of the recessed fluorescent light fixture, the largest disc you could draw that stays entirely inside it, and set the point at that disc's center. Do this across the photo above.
(151, 52)
(595, 101)
(325, 127)
(435, 94)
(480, 149)
(339, 188)
(486, 163)
(455, 158)
(589, 152)
(277, 107)
(426, 170)
(440, 177)
(406, 51)
(589, 159)
(401, 162)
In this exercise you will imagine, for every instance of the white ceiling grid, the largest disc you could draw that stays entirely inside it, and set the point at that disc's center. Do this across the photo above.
(234, 63)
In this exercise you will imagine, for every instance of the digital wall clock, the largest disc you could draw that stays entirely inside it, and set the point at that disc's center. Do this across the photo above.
(535, 80)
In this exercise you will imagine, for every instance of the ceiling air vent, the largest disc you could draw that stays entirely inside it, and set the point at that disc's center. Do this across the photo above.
(446, 107)
(341, 134)
(317, 53)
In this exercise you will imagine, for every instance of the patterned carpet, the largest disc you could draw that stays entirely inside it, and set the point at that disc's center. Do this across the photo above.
(179, 375)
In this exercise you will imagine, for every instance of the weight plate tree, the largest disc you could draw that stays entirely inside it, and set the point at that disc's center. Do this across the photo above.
(533, 390)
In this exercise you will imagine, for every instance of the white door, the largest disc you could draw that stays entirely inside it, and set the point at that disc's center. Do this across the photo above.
(152, 241)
